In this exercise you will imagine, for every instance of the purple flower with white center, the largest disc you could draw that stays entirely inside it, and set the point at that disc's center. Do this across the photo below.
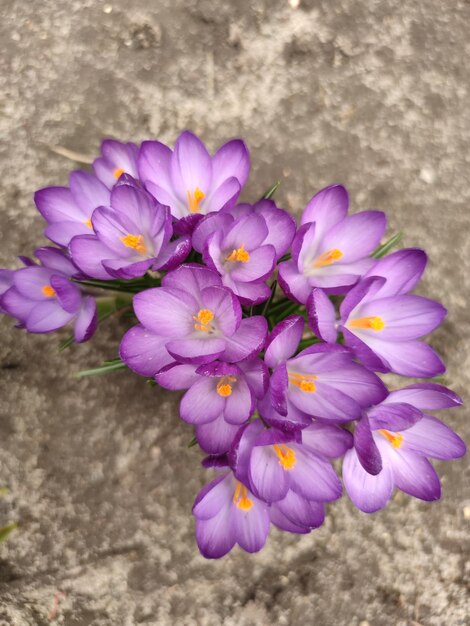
(42, 298)
(191, 318)
(189, 180)
(393, 444)
(131, 237)
(117, 158)
(331, 249)
(243, 244)
(68, 210)
(224, 393)
(381, 321)
(272, 463)
(322, 381)
(227, 514)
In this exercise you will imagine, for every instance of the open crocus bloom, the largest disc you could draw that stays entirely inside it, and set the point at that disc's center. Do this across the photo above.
(68, 210)
(393, 442)
(192, 318)
(219, 392)
(42, 298)
(117, 158)
(242, 244)
(322, 381)
(131, 237)
(227, 514)
(188, 179)
(272, 463)
(381, 322)
(331, 249)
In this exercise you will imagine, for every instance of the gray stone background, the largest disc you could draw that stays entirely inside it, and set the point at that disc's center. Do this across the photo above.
(372, 93)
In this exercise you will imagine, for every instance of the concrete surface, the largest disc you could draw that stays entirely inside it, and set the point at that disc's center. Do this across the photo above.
(371, 93)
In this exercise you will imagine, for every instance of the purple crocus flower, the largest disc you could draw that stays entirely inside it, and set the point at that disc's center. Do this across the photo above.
(243, 244)
(189, 180)
(322, 381)
(272, 462)
(227, 513)
(68, 210)
(380, 321)
(393, 442)
(116, 159)
(221, 397)
(131, 237)
(42, 298)
(192, 318)
(331, 249)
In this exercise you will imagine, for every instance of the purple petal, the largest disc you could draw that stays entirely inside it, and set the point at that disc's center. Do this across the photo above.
(426, 396)
(143, 351)
(356, 382)
(213, 497)
(282, 522)
(167, 312)
(369, 493)
(55, 260)
(259, 267)
(154, 164)
(301, 512)
(402, 270)
(278, 386)
(250, 230)
(414, 474)
(326, 403)
(247, 341)
(431, 437)
(17, 305)
(87, 253)
(225, 307)
(293, 421)
(268, 480)
(313, 478)
(223, 197)
(365, 354)
(249, 294)
(201, 403)
(88, 192)
(284, 340)
(366, 448)
(210, 224)
(177, 376)
(408, 358)
(216, 437)
(326, 439)
(257, 376)
(356, 236)
(56, 204)
(394, 416)
(293, 283)
(46, 317)
(251, 527)
(191, 165)
(62, 233)
(86, 321)
(173, 254)
(231, 160)
(202, 350)
(239, 405)
(327, 207)
(322, 316)
(365, 289)
(192, 278)
(281, 226)
(67, 293)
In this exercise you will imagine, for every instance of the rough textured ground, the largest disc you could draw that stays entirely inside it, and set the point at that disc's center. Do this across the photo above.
(371, 93)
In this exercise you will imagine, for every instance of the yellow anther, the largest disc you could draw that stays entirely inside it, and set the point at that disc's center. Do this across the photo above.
(225, 386)
(195, 199)
(327, 258)
(88, 223)
(241, 499)
(303, 381)
(396, 439)
(203, 319)
(369, 323)
(136, 242)
(241, 255)
(285, 455)
(118, 172)
(48, 291)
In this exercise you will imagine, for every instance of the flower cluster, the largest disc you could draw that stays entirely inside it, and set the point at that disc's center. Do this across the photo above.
(276, 385)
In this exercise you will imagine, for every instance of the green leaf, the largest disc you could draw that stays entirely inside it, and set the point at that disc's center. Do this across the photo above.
(271, 191)
(107, 367)
(192, 443)
(6, 530)
(386, 247)
(270, 300)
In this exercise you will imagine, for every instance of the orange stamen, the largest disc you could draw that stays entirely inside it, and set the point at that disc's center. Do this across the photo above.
(285, 455)
(136, 242)
(203, 319)
(370, 323)
(48, 291)
(225, 386)
(241, 499)
(88, 223)
(195, 199)
(327, 258)
(118, 172)
(396, 439)
(303, 381)
(241, 255)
